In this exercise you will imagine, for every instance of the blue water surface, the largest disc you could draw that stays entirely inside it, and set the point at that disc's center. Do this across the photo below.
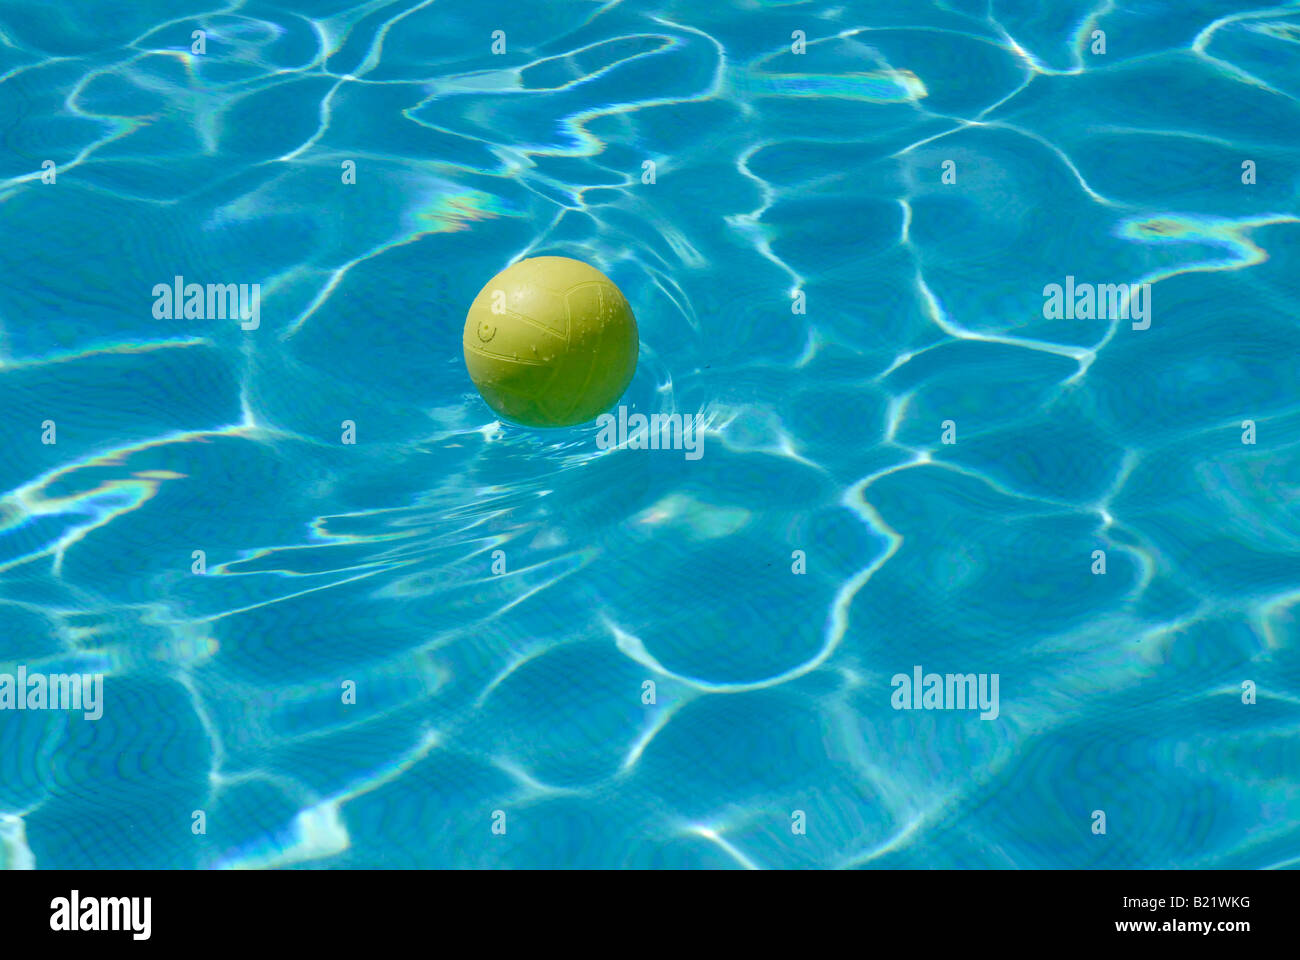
(835, 222)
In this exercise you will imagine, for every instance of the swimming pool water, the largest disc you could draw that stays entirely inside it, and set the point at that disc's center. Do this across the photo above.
(458, 642)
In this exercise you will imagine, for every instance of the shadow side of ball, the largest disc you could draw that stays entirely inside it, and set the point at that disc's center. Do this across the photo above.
(550, 342)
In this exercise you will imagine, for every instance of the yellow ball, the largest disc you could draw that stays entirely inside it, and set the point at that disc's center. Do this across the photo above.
(550, 342)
